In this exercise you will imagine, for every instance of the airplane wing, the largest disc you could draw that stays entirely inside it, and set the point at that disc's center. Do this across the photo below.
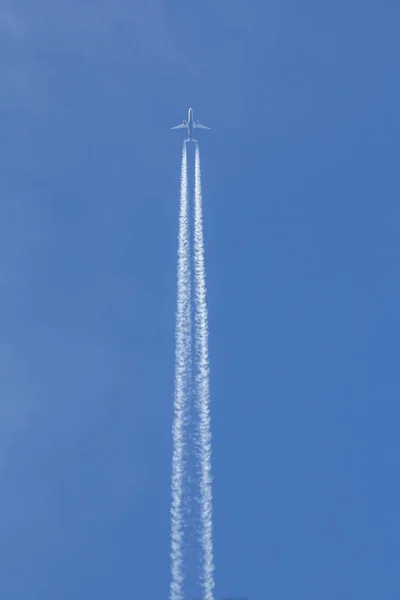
(181, 126)
(200, 126)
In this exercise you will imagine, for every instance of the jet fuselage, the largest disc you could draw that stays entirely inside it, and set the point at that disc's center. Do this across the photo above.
(190, 123)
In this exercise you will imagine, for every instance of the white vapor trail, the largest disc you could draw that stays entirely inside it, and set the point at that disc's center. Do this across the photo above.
(203, 392)
(182, 389)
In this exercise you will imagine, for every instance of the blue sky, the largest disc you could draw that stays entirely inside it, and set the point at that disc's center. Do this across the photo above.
(301, 201)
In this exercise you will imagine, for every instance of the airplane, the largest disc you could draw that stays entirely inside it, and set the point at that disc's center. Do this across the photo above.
(190, 124)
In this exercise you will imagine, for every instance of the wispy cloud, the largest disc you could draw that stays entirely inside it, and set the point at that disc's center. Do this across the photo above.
(35, 35)
(12, 23)
(111, 28)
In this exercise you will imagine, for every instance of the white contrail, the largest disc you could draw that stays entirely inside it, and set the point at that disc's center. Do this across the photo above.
(182, 389)
(203, 392)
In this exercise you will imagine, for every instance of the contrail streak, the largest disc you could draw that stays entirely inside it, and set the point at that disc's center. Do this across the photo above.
(203, 392)
(182, 389)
